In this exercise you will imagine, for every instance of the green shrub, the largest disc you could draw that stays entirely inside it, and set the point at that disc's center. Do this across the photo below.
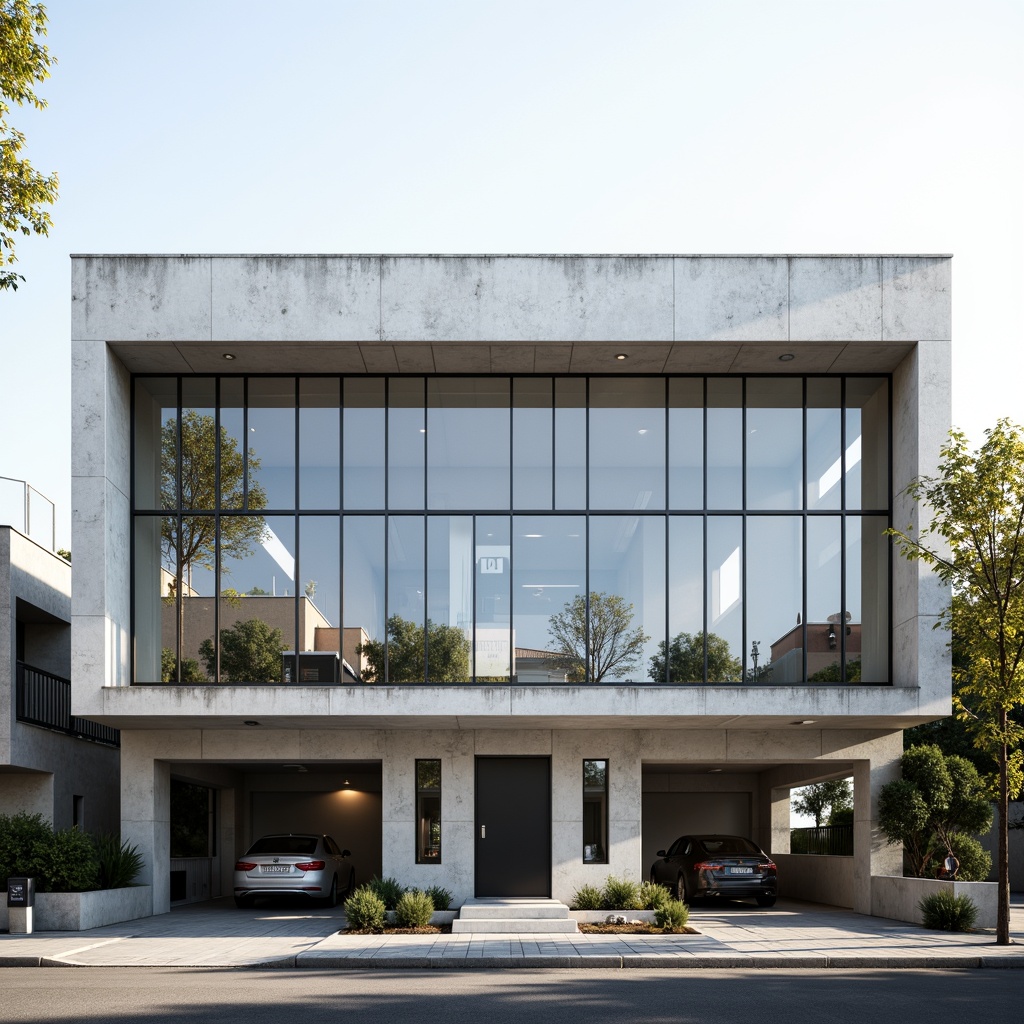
(620, 894)
(119, 863)
(440, 896)
(653, 896)
(672, 916)
(388, 889)
(413, 909)
(365, 910)
(948, 913)
(19, 834)
(587, 897)
(975, 860)
(65, 861)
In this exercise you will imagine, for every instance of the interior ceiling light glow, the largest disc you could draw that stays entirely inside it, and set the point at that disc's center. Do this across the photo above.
(228, 355)
(620, 356)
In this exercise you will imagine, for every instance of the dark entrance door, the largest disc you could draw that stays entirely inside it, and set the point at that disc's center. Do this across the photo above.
(513, 826)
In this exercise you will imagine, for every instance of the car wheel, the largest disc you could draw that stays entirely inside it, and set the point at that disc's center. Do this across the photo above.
(332, 896)
(766, 901)
(680, 892)
(244, 902)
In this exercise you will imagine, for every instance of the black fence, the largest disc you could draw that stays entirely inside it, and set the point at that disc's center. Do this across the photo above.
(828, 840)
(45, 699)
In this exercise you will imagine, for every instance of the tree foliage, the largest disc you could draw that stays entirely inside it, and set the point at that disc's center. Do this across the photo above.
(24, 63)
(404, 658)
(190, 670)
(610, 646)
(250, 652)
(939, 798)
(821, 797)
(686, 660)
(974, 541)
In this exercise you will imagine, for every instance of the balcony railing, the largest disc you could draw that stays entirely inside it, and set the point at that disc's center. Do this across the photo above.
(45, 699)
(827, 840)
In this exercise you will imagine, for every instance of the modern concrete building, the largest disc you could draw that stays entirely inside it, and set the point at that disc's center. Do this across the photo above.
(51, 762)
(650, 468)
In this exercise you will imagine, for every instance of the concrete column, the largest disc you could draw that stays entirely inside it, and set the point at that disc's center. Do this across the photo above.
(872, 854)
(778, 821)
(146, 815)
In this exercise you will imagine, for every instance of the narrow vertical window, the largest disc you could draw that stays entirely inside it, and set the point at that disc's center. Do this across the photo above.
(595, 812)
(428, 812)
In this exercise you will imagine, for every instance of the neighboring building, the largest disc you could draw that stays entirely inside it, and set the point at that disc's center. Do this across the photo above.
(462, 459)
(51, 762)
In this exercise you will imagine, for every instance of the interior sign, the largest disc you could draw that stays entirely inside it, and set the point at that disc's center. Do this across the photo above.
(492, 565)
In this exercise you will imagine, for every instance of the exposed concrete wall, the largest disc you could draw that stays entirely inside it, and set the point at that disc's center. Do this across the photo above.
(816, 879)
(897, 898)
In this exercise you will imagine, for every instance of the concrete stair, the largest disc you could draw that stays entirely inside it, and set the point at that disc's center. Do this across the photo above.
(514, 916)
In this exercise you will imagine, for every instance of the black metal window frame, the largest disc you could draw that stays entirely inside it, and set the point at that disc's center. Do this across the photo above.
(704, 514)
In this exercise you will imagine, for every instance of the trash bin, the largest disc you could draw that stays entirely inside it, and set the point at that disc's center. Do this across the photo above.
(21, 898)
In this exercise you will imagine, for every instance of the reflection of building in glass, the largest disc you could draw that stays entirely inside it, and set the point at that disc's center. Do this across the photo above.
(824, 652)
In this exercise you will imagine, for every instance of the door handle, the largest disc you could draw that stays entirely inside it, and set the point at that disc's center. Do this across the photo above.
(483, 831)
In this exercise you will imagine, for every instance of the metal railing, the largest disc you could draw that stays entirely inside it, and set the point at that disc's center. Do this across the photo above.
(45, 699)
(29, 511)
(826, 840)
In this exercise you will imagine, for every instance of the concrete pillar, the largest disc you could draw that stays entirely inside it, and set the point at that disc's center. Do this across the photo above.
(146, 814)
(778, 821)
(872, 853)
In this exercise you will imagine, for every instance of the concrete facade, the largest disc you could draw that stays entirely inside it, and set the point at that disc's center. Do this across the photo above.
(504, 315)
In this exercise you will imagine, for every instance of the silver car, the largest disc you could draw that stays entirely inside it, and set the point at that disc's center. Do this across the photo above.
(310, 866)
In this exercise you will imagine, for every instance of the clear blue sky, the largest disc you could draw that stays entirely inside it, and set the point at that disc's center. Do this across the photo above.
(704, 126)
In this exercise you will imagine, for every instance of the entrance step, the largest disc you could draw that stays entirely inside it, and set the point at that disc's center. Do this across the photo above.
(514, 916)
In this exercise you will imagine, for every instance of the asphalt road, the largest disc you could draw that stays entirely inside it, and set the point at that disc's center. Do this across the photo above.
(130, 995)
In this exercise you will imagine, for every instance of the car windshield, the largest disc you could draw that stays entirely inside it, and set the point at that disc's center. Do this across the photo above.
(730, 844)
(284, 844)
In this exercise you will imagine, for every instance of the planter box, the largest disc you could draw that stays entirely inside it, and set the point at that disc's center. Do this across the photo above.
(79, 911)
(896, 898)
(438, 917)
(600, 916)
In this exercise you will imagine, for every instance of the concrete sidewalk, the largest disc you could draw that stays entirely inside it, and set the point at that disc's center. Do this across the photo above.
(791, 935)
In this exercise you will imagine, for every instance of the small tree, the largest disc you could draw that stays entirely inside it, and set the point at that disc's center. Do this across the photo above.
(821, 797)
(250, 652)
(938, 800)
(686, 660)
(609, 645)
(404, 658)
(190, 670)
(974, 541)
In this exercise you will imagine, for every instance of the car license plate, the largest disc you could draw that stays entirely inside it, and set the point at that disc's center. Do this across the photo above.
(741, 871)
(275, 869)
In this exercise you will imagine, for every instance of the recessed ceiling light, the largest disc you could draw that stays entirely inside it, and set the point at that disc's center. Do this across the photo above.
(642, 430)
(714, 771)
(250, 723)
(805, 721)
(533, 535)
(228, 355)
(620, 356)
(786, 357)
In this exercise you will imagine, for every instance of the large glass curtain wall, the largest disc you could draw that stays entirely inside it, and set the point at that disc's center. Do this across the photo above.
(655, 530)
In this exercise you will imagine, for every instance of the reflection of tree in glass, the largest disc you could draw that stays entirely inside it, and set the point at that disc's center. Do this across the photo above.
(250, 652)
(686, 660)
(833, 673)
(595, 774)
(196, 542)
(405, 659)
(190, 670)
(428, 774)
(613, 648)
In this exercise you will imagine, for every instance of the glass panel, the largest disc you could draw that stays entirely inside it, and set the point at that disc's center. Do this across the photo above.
(775, 465)
(627, 443)
(570, 443)
(774, 596)
(686, 611)
(824, 443)
(271, 436)
(494, 639)
(156, 609)
(824, 601)
(549, 581)
(468, 443)
(406, 443)
(257, 601)
(595, 812)
(867, 590)
(428, 812)
(406, 605)
(449, 598)
(686, 442)
(363, 474)
(319, 443)
(198, 434)
(532, 442)
(867, 443)
(156, 443)
(725, 597)
(319, 579)
(725, 443)
(363, 642)
(233, 446)
(627, 596)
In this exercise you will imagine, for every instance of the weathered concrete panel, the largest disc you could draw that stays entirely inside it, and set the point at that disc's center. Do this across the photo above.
(835, 299)
(916, 298)
(743, 298)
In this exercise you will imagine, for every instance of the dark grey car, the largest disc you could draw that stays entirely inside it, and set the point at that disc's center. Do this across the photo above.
(695, 867)
(311, 866)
